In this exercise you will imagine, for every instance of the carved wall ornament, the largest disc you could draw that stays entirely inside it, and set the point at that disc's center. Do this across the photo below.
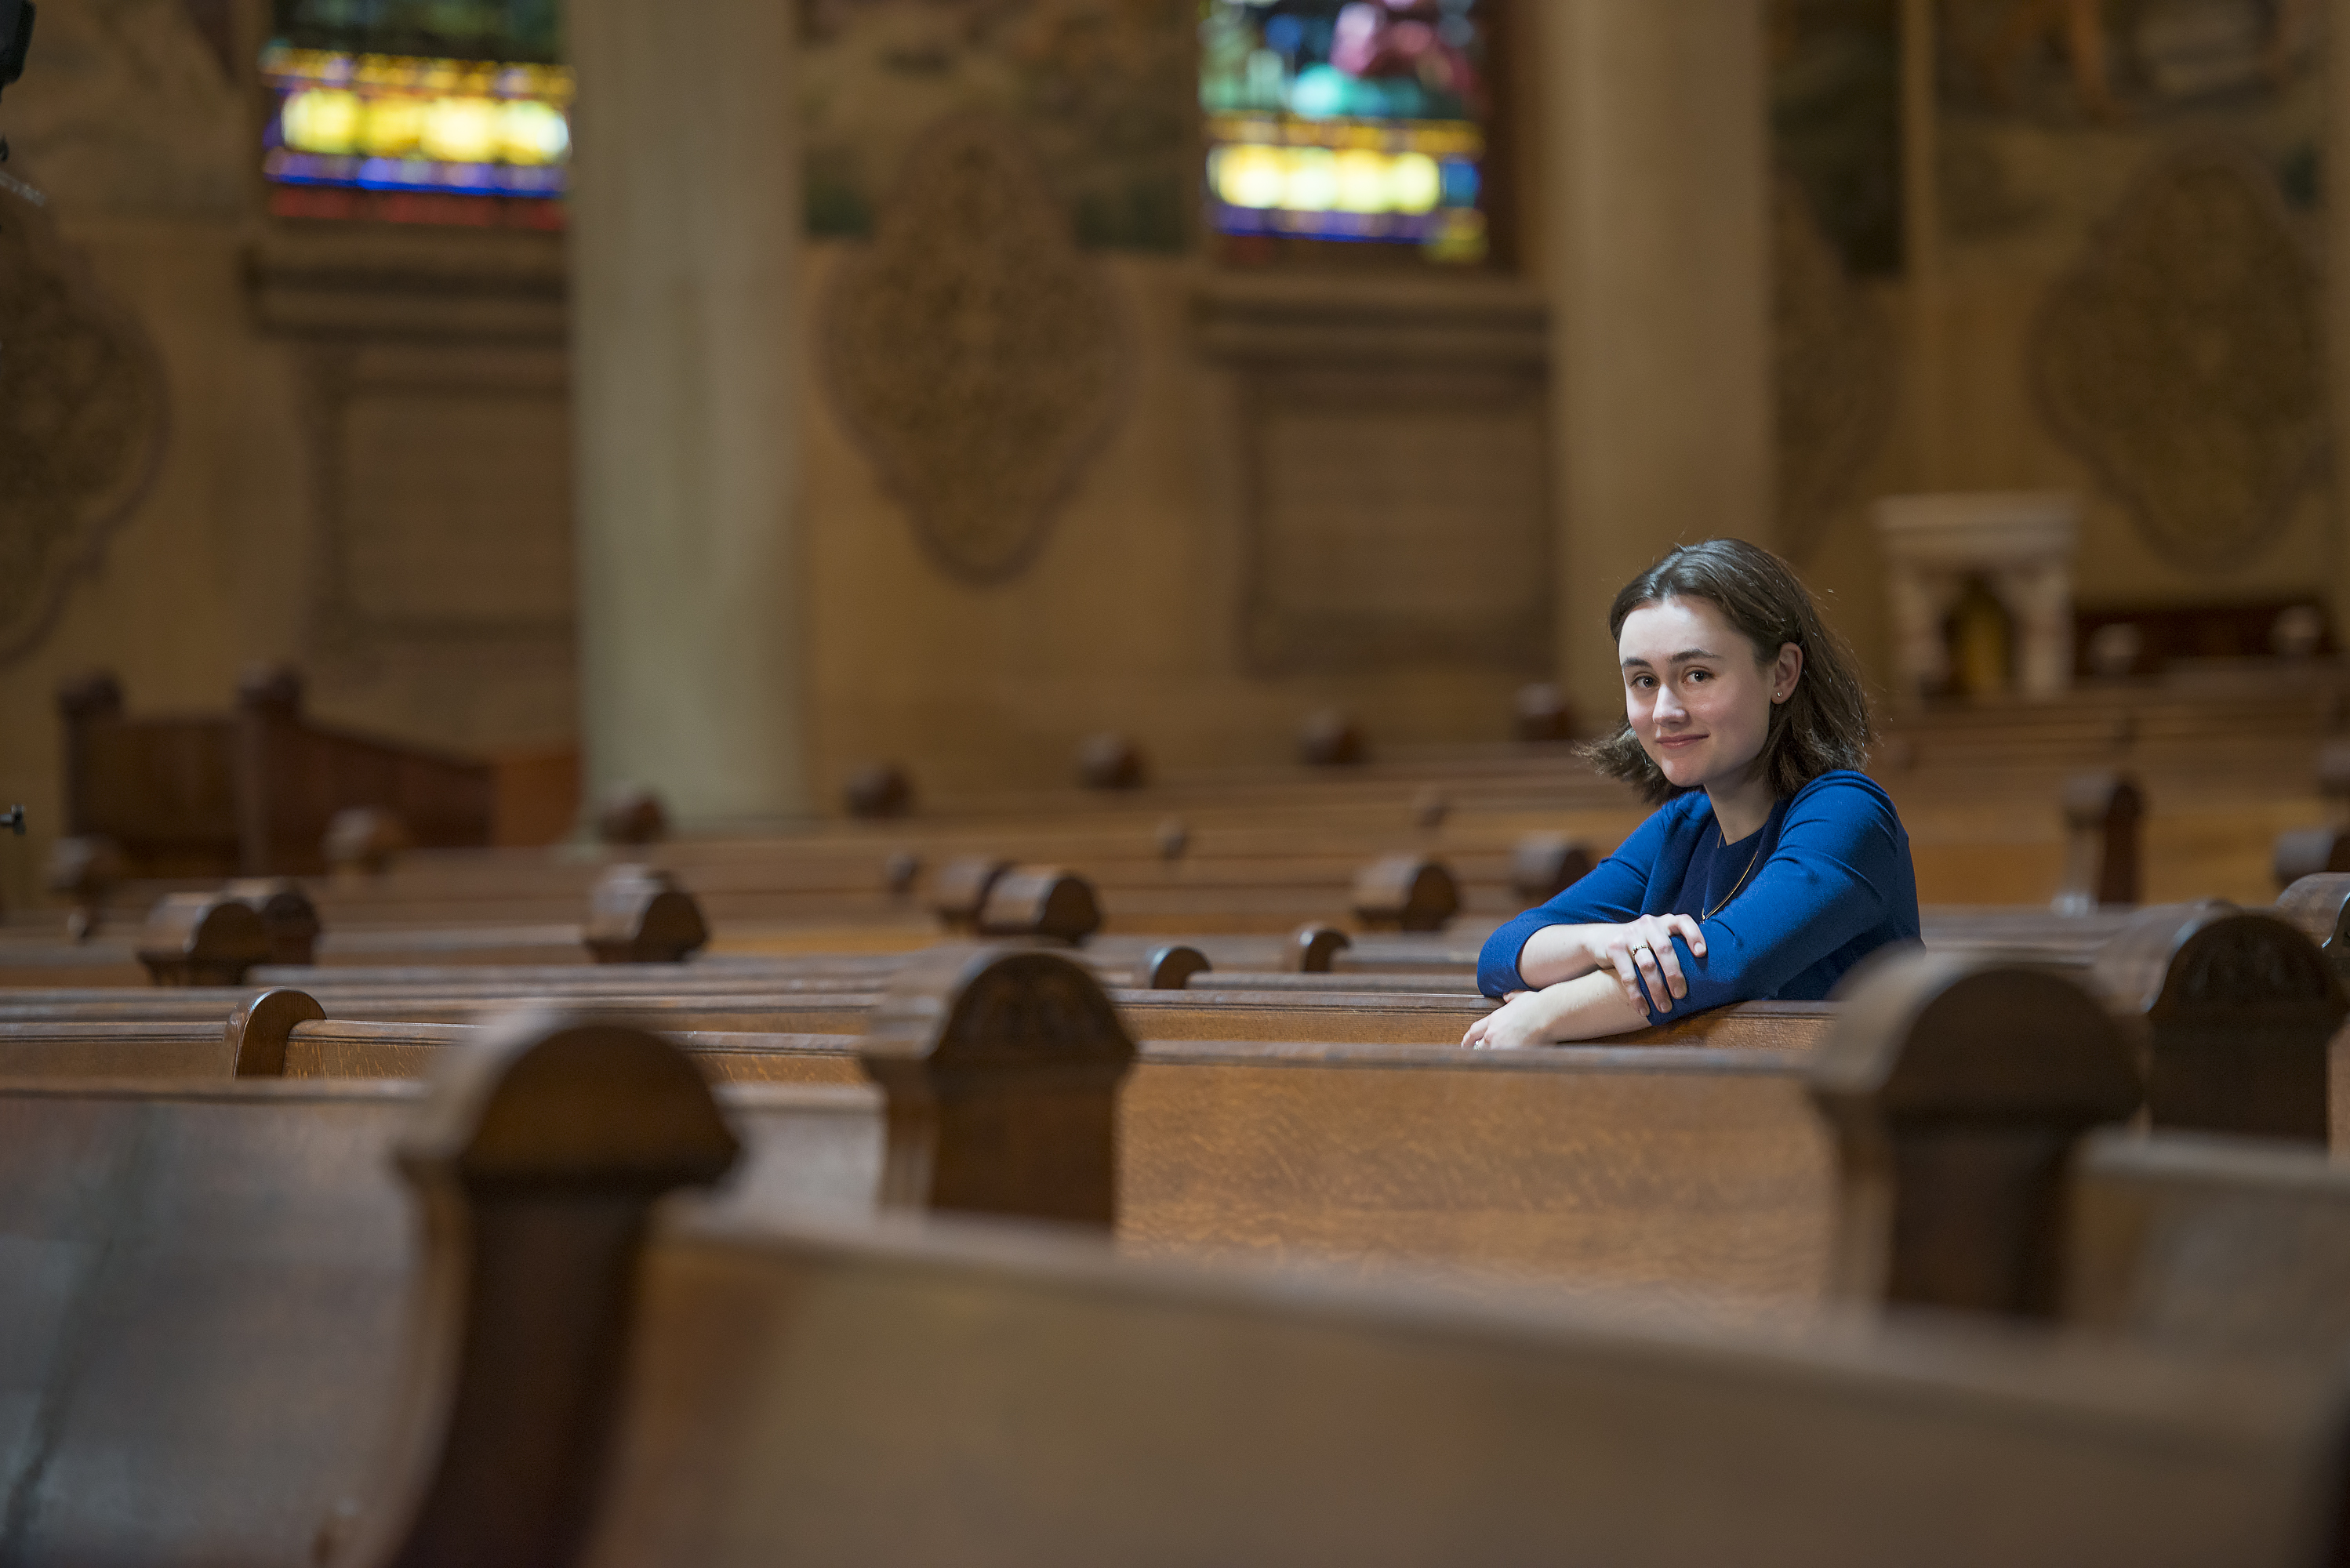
(2183, 358)
(973, 353)
(82, 421)
(1833, 364)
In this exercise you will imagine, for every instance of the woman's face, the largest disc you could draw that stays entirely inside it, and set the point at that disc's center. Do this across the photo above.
(1695, 695)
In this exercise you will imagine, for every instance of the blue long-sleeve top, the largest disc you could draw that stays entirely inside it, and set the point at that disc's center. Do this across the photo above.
(1831, 884)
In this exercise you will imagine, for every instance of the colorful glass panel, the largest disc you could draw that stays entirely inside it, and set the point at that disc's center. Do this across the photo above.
(478, 135)
(1348, 120)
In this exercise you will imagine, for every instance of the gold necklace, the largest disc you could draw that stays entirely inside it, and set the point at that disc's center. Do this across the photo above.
(1751, 862)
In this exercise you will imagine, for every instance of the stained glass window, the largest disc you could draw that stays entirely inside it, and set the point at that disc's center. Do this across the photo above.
(434, 111)
(1356, 121)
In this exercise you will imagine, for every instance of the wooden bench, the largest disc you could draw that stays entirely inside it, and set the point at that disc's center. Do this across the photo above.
(252, 793)
(2202, 1242)
(1695, 1165)
(924, 1315)
(191, 1266)
(222, 1373)
(918, 1398)
(1259, 877)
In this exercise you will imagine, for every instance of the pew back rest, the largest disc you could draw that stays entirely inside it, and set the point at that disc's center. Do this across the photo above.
(164, 789)
(811, 1395)
(294, 775)
(2211, 1243)
(252, 791)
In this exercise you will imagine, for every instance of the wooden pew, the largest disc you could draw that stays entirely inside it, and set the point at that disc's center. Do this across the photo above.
(815, 1393)
(1261, 874)
(204, 1282)
(811, 1394)
(2195, 1241)
(1529, 1164)
(2205, 1243)
(81, 1486)
(1696, 1167)
(230, 1379)
(249, 793)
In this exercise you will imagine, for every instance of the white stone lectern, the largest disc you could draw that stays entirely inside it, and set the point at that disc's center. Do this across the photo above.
(2018, 544)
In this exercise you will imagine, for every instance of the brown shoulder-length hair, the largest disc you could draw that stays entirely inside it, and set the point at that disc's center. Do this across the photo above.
(1823, 726)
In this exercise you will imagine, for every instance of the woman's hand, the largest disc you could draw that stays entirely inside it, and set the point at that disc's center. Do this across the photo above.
(1525, 1018)
(1642, 950)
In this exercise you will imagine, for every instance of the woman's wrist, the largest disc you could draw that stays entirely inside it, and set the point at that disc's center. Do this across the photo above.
(1588, 1007)
(1558, 953)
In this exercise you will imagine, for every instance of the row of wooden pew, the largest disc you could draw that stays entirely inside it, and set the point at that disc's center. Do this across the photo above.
(1192, 1241)
(495, 912)
(214, 1361)
(1340, 1085)
(1984, 791)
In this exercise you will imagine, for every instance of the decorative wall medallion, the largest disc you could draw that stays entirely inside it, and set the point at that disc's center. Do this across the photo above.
(1834, 370)
(82, 419)
(973, 353)
(1104, 95)
(2184, 359)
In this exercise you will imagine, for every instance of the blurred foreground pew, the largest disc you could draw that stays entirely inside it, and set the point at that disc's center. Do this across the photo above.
(755, 1382)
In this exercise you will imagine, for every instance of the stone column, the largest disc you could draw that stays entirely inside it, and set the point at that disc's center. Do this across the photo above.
(1656, 223)
(685, 230)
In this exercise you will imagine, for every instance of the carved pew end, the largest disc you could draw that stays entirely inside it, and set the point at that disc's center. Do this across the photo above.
(1957, 1090)
(960, 890)
(631, 814)
(1313, 947)
(901, 872)
(539, 1156)
(1174, 839)
(1000, 1070)
(2103, 812)
(364, 840)
(286, 914)
(2238, 1009)
(260, 1031)
(1543, 716)
(879, 789)
(1329, 739)
(1041, 902)
(201, 938)
(1544, 865)
(1406, 893)
(1109, 761)
(639, 914)
(1172, 967)
(1430, 807)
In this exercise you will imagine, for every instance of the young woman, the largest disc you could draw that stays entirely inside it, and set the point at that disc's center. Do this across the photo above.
(1773, 867)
